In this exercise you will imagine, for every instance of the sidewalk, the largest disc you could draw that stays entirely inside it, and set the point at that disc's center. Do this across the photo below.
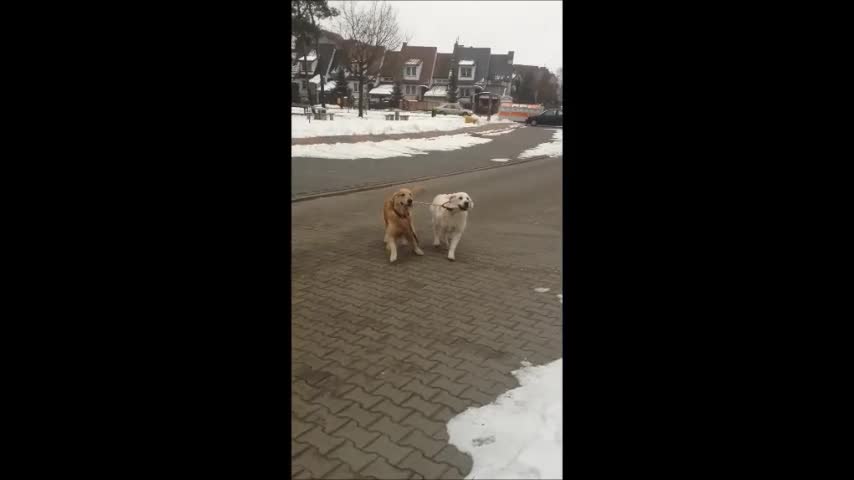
(394, 136)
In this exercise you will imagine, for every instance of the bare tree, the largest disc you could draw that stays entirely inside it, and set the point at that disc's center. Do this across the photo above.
(371, 32)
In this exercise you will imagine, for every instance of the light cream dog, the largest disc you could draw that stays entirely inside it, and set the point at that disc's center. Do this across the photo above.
(450, 213)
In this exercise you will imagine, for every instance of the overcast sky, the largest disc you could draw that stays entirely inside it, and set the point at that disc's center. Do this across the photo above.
(531, 29)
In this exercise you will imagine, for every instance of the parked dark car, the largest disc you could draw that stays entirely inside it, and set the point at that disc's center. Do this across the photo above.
(549, 117)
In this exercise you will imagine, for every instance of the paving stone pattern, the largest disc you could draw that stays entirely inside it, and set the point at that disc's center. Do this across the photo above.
(384, 355)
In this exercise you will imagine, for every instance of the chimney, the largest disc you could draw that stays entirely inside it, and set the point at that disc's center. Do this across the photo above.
(403, 46)
(510, 57)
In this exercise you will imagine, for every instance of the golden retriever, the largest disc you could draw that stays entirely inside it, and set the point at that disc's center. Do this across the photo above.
(399, 227)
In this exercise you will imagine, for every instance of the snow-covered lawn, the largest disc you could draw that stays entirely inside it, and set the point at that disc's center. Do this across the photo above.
(554, 148)
(520, 435)
(406, 147)
(374, 123)
(347, 122)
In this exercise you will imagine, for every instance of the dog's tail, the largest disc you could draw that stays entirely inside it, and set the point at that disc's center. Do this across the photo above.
(418, 189)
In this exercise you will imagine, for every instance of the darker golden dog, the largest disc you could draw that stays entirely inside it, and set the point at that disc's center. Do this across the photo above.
(399, 227)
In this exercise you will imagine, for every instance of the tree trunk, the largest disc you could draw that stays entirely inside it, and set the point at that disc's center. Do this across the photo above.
(361, 97)
(305, 71)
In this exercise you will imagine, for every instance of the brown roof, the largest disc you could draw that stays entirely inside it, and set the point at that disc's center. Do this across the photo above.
(443, 65)
(391, 65)
(427, 55)
(373, 68)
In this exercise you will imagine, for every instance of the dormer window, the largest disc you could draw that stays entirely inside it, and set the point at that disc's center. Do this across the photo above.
(412, 69)
(467, 69)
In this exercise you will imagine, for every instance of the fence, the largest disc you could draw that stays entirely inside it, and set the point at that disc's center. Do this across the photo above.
(413, 105)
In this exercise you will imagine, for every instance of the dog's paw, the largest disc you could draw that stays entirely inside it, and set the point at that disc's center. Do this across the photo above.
(451, 258)
(418, 251)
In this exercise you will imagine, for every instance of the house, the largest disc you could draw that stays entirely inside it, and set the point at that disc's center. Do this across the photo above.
(472, 72)
(413, 67)
(438, 93)
(342, 61)
(329, 44)
(318, 62)
(381, 94)
(416, 70)
(499, 79)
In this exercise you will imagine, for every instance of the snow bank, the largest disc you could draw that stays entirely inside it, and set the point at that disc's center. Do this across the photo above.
(554, 148)
(406, 147)
(348, 123)
(520, 435)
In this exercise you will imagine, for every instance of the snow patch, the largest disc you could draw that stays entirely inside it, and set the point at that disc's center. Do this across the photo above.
(541, 290)
(520, 435)
(348, 123)
(560, 297)
(499, 160)
(387, 148)
(554, 148)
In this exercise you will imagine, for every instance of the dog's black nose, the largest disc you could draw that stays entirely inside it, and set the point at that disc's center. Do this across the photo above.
(409, 201)
(466, 204)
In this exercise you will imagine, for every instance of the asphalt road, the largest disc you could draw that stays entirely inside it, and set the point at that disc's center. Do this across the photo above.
(383, 355)
(316, 175)
(517, 217)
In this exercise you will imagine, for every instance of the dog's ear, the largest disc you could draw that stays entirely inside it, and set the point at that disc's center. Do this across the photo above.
(471, 203)
(418, 189)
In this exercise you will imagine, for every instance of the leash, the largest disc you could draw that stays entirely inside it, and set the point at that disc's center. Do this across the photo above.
(435, 205)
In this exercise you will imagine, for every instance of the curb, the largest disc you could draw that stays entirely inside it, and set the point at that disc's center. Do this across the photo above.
(377, 186)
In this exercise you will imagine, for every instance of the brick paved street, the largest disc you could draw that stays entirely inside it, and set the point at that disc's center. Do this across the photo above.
(384, 355)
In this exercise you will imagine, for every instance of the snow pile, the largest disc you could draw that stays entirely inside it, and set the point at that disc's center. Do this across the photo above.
(551, 149)
(520, 435)
(406, 147)
(348, 123)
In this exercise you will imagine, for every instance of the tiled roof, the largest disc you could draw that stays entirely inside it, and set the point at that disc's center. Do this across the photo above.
(443, 66)
(373, 68)
(391, 65)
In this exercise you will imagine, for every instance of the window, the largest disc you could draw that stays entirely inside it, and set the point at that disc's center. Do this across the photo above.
(410, 71)
(410, 90)
(465, 72)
